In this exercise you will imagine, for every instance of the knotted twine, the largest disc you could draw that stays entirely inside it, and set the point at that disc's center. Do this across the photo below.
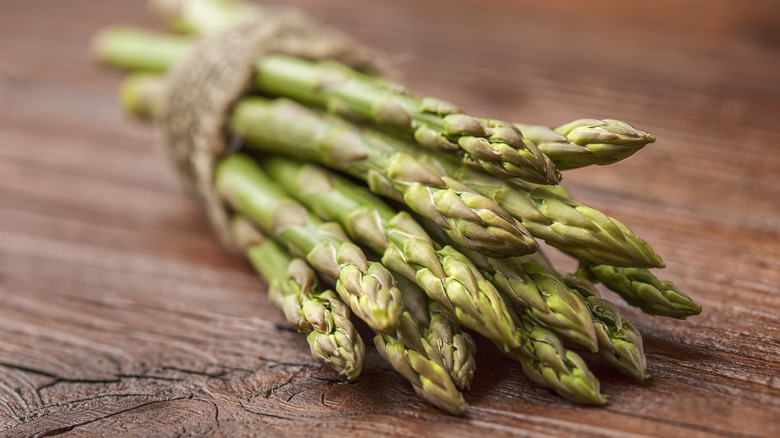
(203, 86)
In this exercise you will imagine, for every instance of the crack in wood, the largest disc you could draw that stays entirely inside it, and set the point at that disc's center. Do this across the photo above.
(264, 414)
(65, 429)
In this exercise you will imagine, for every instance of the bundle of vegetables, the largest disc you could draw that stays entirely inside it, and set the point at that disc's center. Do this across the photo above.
(455, 247)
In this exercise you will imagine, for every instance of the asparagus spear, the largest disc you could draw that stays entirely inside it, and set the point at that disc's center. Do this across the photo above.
(562, 222)
(640, 288)
(545, 299)
(429, 379)
(454, 282)
(293, 288)
(620, 343)
(367, 287)
(495, 146)
(425, 328)
(554, 366)
(586, 142)
(202, 16)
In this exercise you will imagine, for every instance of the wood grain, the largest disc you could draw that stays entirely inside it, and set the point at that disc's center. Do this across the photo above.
(121, 314)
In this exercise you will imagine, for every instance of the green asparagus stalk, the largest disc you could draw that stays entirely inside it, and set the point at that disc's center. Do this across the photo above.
(293, 288)
(640, 288)
(544, 298)
(202, 16)
(495, 146)
(453, 282)
(562, 222)
(586, 142)
(367, 287)
(554, 366)
(425, 328)
(620, 343)
(429, 379)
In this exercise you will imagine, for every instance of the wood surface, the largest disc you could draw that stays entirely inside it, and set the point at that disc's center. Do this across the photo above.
(121, 314)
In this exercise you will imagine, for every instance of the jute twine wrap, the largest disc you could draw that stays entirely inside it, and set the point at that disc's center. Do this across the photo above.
(203, 86)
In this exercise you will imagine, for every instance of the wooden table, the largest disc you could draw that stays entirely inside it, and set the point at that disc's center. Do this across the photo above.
(122, 315)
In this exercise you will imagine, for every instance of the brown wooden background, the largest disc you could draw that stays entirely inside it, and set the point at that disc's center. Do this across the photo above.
(120, 313)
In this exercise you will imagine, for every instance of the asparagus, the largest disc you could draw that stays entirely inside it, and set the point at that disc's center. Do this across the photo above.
(429, 379)
(367, 287)
(429, 331)
(202, 16)
(640, 288)
(620, 343)
(452, 281)
(284, 127)
(554, 366)
(293, 288)
(586, 142)
(561, 221)
(545, 298)
(576, 144)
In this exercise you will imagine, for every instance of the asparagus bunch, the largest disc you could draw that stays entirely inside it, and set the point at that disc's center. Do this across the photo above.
(476, 180)
(410, 251)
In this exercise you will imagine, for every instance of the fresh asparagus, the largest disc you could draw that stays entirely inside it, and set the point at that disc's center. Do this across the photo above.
(363, 215)
(428, 330)
(576, 144)
(586, 142)
(367, 287)
(452, 281)
(429, 379)
(495, 146)
(620, 343)
(640, 288)
(203, 16)
(543, 296)
(293, 288)
(562, 222)
(556, 367)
